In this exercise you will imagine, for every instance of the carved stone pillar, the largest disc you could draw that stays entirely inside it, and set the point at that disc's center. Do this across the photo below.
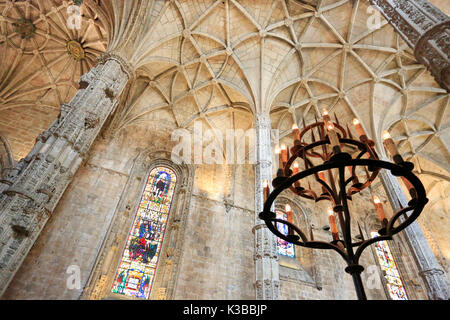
(7, 164)
(429, 269)
(426, 29)
(42, 177)
(267, 283)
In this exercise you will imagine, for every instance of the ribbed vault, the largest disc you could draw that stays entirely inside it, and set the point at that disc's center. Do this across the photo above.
(41, 62)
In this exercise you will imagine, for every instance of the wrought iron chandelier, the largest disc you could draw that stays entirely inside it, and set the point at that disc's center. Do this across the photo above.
(327, 156)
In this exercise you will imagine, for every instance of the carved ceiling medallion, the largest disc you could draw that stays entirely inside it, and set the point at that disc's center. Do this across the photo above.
(75, 50)
(25, 28)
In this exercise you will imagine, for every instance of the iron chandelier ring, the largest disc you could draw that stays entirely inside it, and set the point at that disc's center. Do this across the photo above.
(416, 204)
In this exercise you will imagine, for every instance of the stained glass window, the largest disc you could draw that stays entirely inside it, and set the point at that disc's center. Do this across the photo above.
(283, 247)
(137, 268)
(387, 263)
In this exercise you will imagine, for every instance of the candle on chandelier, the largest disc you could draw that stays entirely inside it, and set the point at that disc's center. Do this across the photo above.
(333, 226)
(289, 217)
(325, 116)
(359, 129)
(390, 146)
(380, 210)
(278, 152)
(266, 190)
(334, 140)
(288, 210)
(296, 132)
(322, 176)
(410, 187)
(283, 154)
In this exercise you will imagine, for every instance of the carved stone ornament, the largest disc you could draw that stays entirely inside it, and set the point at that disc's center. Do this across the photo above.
(25, 28)
(75, 50)
(67, 142)
(91, 121)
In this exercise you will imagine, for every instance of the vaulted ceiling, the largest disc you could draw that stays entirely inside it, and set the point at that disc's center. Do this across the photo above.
(220, 62)
(41, 60)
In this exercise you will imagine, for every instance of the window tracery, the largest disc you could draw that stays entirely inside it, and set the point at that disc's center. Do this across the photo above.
(393, 281)
(136, 272)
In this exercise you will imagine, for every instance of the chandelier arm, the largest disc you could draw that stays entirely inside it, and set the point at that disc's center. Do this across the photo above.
(396, 169)
(336, 191)
(272, 227)
(398, 214)
(368, 182)
(347, 219)
(415, 214)
(417, 203)
(307, 244)
(349, 180)
(328, 188)
(363, 152)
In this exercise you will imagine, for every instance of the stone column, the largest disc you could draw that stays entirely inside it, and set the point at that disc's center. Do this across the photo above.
(426, 29)
(267, 283)
(7, 163)
(429, 269)
(41, 178)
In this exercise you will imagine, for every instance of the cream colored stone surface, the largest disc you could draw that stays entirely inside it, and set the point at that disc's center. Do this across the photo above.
(218, 62)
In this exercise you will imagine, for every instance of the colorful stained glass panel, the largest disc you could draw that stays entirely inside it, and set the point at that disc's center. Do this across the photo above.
(137, 267)
(393, 281)
(283, 247)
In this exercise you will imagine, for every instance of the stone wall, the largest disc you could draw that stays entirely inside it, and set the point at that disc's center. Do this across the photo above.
(71, 237)
(217, 256)
(217, 250)
(219, 243)
(216, 260)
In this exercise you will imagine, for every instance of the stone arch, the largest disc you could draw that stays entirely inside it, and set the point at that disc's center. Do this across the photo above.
(401, 255)
(102, 276)
(302, 268)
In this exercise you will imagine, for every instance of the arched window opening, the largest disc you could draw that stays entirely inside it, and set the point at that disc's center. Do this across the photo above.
(136, 272)
(285, 248)
(296, 263)
(393, 281)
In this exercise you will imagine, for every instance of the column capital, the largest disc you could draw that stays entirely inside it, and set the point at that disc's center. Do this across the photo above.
(126, 66)
(262, 121)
